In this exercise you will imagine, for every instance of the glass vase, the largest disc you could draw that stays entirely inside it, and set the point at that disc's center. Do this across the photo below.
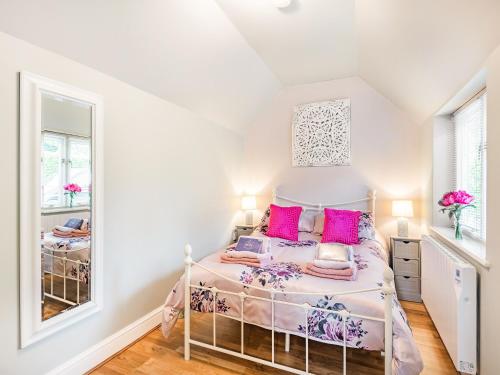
(458, 229)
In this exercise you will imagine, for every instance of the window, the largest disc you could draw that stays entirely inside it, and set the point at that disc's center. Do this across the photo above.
(66, 159)
(470, 161)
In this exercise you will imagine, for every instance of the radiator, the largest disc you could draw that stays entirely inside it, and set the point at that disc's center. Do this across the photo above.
(449, 287)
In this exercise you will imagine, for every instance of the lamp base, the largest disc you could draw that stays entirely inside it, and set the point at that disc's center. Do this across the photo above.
(402, 227)
(249, 217)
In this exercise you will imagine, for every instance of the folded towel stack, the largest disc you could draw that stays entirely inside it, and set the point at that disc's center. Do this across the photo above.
(66, 232)
(247, 258)
(247, 261)
(333, 261)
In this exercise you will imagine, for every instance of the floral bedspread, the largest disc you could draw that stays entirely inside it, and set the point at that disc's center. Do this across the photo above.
(285, 274)
(74, 249)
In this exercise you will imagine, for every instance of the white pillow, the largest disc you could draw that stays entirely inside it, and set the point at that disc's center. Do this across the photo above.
(319, 224)
(306, 220)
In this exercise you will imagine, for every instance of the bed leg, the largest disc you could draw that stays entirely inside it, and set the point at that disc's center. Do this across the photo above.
(187, 301)
(388, 291)
(287, 342)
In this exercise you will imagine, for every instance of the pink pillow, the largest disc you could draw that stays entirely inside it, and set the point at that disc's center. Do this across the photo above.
(341, 226)
(284, 222)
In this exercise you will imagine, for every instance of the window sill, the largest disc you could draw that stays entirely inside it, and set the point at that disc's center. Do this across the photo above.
(471, 249)
(64, 210)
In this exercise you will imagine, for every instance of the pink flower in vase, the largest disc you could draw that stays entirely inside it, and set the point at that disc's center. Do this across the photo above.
(72, 190)
(462, 197)
(454, 202)
(447, 200)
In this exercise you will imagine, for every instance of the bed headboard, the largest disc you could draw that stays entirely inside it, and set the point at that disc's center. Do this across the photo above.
(370, 200)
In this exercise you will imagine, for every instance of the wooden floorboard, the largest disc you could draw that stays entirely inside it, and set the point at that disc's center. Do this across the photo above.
(52, 307)
(153, 354)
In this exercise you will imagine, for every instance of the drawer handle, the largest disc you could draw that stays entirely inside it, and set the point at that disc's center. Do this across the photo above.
(406, 259)
(406, 242)
(406, 277)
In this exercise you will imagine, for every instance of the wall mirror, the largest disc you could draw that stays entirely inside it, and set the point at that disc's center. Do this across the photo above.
(60, 203)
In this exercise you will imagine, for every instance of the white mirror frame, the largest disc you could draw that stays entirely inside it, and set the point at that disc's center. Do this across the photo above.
(33, 328)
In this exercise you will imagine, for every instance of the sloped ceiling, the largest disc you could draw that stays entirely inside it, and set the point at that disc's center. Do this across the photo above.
(421, 53)
(310, 41)
(225, 59)
(416, 53)
(185, 51)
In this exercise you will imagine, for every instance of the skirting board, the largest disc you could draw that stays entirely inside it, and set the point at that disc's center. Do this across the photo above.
(111, 345)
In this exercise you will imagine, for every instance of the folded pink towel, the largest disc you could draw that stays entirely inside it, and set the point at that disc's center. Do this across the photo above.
(325, 276)
(252, 262)
(329, 271)
(332, 264)
(242, 262)
(247, 254)
(243, 259)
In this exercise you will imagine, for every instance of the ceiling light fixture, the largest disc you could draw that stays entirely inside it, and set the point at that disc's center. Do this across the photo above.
(282, 3)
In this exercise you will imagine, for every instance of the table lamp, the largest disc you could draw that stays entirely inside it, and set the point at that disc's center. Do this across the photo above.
(402, 209)
(248, 204)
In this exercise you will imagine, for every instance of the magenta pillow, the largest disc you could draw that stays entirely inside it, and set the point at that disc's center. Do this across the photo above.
(341, 226)
(284, 222)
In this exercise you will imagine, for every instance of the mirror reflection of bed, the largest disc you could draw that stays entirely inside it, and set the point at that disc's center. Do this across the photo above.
(65, 262)
(65, 204)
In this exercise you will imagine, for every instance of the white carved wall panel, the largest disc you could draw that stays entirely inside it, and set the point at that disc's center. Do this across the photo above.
(321, 134)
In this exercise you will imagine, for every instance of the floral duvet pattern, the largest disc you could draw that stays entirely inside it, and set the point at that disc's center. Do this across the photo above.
(285, 274)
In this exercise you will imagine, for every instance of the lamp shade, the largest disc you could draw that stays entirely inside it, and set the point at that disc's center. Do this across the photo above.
(248, 202)
(281, 3)
(402, 208)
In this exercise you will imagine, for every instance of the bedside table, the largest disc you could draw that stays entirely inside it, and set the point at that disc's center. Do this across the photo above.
(242, 230)
(406, 266)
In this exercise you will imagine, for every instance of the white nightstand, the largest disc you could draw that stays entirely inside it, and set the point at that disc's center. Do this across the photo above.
(406, 265)
(242, 230)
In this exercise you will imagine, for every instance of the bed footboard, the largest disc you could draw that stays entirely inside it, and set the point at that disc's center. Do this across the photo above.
(387, 289)
(49, 257)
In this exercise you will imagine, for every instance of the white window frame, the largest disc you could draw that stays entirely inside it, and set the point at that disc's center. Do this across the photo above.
(481, 236)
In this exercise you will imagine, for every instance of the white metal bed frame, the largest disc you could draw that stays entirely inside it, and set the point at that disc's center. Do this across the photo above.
(387, 289)
(49, 253)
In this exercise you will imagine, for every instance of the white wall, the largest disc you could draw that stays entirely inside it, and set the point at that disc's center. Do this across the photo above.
(187, 52)
(442, 160)
(49, 221)
(427, 154)
(490, 280)
(66, 116)
(385, 152)
(169, 179)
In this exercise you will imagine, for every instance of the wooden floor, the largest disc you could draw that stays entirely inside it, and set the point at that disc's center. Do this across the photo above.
(155, 355)
(52, 307)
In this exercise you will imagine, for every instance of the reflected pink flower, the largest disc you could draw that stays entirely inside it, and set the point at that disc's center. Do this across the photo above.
(73, 188)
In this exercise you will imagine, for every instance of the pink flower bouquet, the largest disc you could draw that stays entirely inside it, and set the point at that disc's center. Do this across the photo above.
(72, 190)
(454, 202)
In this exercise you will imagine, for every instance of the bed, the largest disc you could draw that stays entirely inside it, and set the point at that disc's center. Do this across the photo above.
(65, 259)
(281, 297)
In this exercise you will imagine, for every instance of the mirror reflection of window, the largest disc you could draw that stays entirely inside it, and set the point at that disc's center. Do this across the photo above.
(66, 196)
(66, 159)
